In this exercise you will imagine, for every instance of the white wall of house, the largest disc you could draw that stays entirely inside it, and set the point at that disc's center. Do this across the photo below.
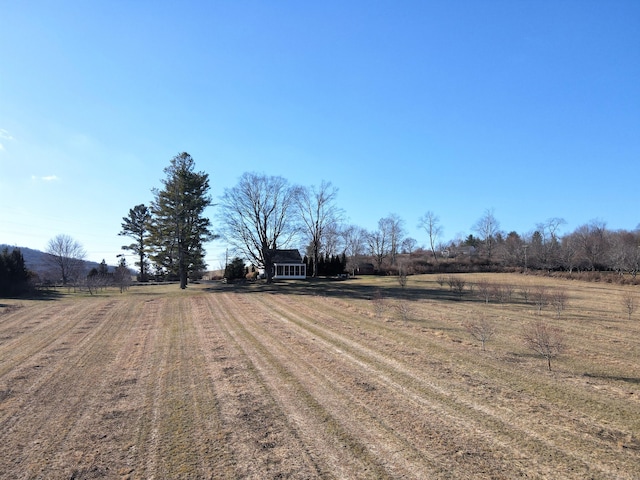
(290, 270)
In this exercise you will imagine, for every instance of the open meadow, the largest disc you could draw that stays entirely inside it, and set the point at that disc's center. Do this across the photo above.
(321, 379)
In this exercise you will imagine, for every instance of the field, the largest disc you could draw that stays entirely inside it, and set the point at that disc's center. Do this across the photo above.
(342, 379)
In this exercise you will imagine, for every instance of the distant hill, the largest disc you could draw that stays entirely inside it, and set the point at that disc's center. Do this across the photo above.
(37, 261)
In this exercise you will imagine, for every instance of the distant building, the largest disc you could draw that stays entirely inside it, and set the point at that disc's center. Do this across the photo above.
(287, 264)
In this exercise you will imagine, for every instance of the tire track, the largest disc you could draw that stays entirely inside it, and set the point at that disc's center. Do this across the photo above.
(265, 443)
(179, 434)
(40, 439)
(503, 432)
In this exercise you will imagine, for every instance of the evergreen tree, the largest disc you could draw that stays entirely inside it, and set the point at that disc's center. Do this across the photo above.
(122, 275)
(235, 269)
(14, 276)
(136, 226)
(321, 266)
(179, 229)
(103, 269)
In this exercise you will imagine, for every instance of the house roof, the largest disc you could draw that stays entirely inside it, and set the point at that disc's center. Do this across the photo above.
(286, 256)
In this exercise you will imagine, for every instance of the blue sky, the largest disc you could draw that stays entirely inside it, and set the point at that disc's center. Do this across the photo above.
(529, 108)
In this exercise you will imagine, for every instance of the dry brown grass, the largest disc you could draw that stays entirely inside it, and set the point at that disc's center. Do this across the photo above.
(318, 380)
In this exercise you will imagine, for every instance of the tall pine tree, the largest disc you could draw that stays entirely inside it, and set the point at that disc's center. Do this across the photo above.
(136, 226)
(178, 228)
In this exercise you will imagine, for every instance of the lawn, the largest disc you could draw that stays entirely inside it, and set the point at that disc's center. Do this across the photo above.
(321, 379)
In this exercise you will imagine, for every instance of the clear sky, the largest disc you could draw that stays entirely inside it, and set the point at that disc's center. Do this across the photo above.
(530, 108)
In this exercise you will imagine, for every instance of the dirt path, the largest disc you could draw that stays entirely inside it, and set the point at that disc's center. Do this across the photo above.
(197, 384)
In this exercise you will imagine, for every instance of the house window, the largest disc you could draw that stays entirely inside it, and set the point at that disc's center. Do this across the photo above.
(279, 269)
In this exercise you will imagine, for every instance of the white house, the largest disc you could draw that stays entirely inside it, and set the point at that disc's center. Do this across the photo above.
(287, 264)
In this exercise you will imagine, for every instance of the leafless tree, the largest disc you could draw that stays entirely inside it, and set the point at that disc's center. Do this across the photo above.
(332, 238)
(592, 241)
(380, 241)
(499, 293)
(540, 297)
(481, 329)
(403, 307)
(318, 211)
(441, 279)
(569, 253)
(395, 226)
(484, 290)
(559, 299)
(487, 228)
(67, 256)
(456, 285)
(629, 303)
(508, 290)
(257, 217)
(354, 241)
(525, 292)
(545, 340)
(512, 250)
(122, 275)
(379, 303)
(430, 223)
(547, 248)
(402, 275)
(409, 245)
(624, 254)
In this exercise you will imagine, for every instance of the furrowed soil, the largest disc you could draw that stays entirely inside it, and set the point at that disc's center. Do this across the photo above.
(311, 379)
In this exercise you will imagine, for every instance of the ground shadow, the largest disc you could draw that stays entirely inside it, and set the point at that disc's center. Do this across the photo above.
(613, 377)
(325, 287)
(47, 295)
(355, 288)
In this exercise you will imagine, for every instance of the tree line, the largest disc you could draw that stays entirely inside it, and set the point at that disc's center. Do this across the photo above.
(264, 213)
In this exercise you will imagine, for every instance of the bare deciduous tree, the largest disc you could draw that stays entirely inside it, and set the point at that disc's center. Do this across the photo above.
(409, 245)
(122, 275)
(559, 300)
(525, 292)
(380, 241)
(592, 241)
(403, 307)
(488, 227)
(545, 340)
(540, 297)
(256, 217)
(499, 293)
(67, 256)
(430, 223)
(379, 303)
(318, 211)
(456, 285)
(629, 303)
(481, 329)
(402, 275)
(484, 290)
(354, 239)
(395, 226)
